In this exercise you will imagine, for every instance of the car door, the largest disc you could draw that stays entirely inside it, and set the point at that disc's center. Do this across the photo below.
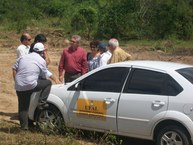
(95, 98)
(143, 102)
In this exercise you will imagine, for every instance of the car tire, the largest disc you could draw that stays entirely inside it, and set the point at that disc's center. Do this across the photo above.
(171, 135)
(50, 120)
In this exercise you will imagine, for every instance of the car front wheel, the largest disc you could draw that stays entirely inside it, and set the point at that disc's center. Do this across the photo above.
(173, 135)
(50, 120)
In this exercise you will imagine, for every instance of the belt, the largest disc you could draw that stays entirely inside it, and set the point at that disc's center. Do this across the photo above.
(72, 73)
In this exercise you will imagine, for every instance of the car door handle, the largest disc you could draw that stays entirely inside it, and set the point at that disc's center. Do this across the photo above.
(109, 100)
(158, 103)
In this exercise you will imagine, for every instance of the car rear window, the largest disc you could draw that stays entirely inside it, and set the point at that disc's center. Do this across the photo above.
(146, 82)
(187, 73)
(151, 82)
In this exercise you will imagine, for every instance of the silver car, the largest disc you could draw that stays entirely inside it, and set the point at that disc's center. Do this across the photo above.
(143, 99)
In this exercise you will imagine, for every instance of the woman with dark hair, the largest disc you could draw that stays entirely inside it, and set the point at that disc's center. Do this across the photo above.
(39, 38)
(42, 39)
(93, 55)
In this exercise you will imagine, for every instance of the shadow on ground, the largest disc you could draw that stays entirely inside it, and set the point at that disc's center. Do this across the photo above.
(133, 141)
(13, 116)
(101, 138)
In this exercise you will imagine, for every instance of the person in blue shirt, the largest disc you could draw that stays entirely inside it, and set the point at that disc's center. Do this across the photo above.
(105, 55)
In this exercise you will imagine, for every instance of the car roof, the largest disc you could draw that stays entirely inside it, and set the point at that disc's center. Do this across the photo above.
(161, 65)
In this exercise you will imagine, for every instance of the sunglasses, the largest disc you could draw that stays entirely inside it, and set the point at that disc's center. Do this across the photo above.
(93, 46)
(72, 41)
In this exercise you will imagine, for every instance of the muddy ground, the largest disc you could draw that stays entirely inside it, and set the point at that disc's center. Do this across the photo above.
(10, 41)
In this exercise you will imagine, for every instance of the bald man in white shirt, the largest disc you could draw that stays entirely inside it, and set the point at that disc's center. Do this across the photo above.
(24, 47)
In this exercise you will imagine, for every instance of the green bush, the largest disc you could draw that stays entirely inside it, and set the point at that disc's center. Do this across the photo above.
(184, 17)
(118, 19)
(85, 21)
(54, 8)
(165, 18)
(123, 19)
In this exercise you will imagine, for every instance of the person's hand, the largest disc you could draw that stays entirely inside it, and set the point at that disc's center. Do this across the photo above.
(52, 77)
(57, 81)
(61, 78)
(45, 47)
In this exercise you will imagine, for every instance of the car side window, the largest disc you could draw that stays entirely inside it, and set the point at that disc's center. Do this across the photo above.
(187, 73)
(107, 80)
(144, 81)
(173, 88)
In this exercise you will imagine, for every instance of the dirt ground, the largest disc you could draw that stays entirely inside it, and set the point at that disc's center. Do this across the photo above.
(9, 43)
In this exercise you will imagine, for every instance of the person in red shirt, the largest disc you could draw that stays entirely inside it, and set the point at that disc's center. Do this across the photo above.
(73, 61)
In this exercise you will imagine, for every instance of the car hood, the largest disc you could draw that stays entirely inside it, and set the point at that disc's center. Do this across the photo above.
(59, 90)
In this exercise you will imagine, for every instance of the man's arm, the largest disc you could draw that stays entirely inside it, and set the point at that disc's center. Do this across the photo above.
(128, 56)
(15, 67)
(14, 73)
(61, 67)
(48, 74)
(124, 55)
(84, 63)
(52, 77)
(47, 58)
(114, 58)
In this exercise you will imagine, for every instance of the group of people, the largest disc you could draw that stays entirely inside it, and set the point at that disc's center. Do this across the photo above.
(75, 61)
(100, 55)
(31, 74)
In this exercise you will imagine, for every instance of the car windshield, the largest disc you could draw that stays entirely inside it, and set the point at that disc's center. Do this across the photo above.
(187, 73)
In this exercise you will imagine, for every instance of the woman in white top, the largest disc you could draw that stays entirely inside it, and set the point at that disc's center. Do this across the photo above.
(105, 55)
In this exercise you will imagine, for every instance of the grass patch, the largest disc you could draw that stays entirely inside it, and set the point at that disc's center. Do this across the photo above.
(10, 133)
(173, 45)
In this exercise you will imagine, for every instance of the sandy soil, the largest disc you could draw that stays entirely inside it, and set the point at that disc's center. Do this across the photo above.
(8, 97)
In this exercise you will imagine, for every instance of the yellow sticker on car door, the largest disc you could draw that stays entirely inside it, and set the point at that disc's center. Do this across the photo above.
(92, 109)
